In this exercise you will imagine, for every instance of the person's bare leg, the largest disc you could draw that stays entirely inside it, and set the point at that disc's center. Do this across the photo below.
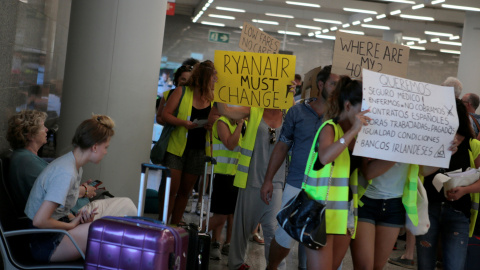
(66, 251)
(215, 222)
(186, 186)
(340, 247)
(385, 238)
(229, 229)
(320, 258)
(410, 246)
(276, 255)
(363, 247)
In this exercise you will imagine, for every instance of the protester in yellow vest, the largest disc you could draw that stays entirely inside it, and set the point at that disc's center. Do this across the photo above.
(260, 138)
(452, 218)
(382, 211)
(185, 154)
(181, 76)
(227, 135)
(329, 167)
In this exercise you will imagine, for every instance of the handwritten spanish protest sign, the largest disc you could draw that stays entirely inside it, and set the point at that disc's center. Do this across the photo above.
(253, 39)
(254, 79)
(412, 122)
(353, 52)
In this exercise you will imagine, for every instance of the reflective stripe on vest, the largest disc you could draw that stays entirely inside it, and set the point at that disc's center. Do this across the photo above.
(227, 159)
(316, 184)
(474, 197)
(248, 143)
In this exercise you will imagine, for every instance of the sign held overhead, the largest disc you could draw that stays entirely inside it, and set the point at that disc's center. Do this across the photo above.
(254, 79)
(412, 122)
(255, 40)
(352, 53)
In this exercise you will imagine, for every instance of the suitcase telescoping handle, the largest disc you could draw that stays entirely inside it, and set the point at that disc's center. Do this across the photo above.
(213, 162)
(143, 184)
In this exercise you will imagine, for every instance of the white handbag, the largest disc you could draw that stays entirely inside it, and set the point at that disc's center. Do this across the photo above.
(422, 209)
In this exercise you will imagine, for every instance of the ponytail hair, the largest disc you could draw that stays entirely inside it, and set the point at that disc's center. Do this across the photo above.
(346, 90)
(95, 130)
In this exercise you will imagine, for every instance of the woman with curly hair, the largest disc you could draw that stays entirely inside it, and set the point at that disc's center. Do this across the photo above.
(56, 191)
(186, 147)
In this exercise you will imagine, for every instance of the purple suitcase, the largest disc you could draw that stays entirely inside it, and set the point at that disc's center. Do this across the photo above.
(135, 242)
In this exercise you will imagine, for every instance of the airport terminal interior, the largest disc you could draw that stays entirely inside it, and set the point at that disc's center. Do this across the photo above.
(72, 58)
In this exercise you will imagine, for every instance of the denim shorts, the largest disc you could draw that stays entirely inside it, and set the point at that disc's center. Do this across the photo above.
(382, 212)
(192, 161)
(43, 245)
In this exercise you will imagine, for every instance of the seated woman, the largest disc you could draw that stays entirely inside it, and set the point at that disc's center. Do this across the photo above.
(26, 135)
(56, 191)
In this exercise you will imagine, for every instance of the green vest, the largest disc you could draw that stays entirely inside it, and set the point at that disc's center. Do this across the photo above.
(246, 150)
(474, 197)
(178, 138)
(409, 197)
(316, 184)
(227, 160)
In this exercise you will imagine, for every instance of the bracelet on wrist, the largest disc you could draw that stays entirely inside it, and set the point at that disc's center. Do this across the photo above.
(86, 191)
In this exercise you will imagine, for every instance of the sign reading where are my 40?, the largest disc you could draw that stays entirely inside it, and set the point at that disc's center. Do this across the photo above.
(214, 36)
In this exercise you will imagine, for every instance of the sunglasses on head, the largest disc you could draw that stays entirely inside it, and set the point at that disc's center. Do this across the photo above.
(272, 133)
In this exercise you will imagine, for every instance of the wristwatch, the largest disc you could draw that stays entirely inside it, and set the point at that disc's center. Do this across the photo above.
(342, 141)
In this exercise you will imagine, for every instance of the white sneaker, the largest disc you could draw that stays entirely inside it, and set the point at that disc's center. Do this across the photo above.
(215, 251)
(199, 206)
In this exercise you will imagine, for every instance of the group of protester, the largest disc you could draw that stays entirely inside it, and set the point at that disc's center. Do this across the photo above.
(255, 148)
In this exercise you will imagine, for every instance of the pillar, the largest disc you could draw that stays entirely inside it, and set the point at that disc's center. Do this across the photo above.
(112, 65)
(469, 65)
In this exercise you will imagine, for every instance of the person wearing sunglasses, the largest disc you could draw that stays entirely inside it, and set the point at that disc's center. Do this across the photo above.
(260, 139)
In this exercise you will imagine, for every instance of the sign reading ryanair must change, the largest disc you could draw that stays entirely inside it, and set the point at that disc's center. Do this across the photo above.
(254, 79)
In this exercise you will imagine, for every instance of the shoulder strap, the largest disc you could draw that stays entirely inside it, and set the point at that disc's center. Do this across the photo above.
(475, 121)
(175, 113)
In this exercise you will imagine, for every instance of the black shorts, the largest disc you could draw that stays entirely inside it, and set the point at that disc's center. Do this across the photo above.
(224, 195)
(389, 212)
(43, 245)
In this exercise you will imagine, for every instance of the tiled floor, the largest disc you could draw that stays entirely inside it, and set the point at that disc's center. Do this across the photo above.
(255, 255)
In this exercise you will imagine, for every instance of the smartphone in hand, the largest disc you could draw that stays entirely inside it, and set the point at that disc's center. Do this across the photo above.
(95, 183)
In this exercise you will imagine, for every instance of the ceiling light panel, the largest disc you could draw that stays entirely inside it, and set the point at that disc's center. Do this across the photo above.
(231, 9)
(308, 26)
(353, 32)
(265, 22)
(381, 16)
(280, 15)
(414, 17)
(437, 2)
(450, 43)
(213, 23)
(411, 38)
(461, 7)
(431, 33)
(369, 19)
(417, 48)
(450, 51)
(327, 21)
(302, 4)
(418, 6)
(395, 12)
(221, 16)
(401, 1)
(382, 27)
(356, 10)
(289, 33)
(325, 37)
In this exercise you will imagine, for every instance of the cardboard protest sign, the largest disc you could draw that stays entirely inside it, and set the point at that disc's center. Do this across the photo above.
(353, 52)
(253, 39)
(412, 122)
(254, 79)
(310, 87)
